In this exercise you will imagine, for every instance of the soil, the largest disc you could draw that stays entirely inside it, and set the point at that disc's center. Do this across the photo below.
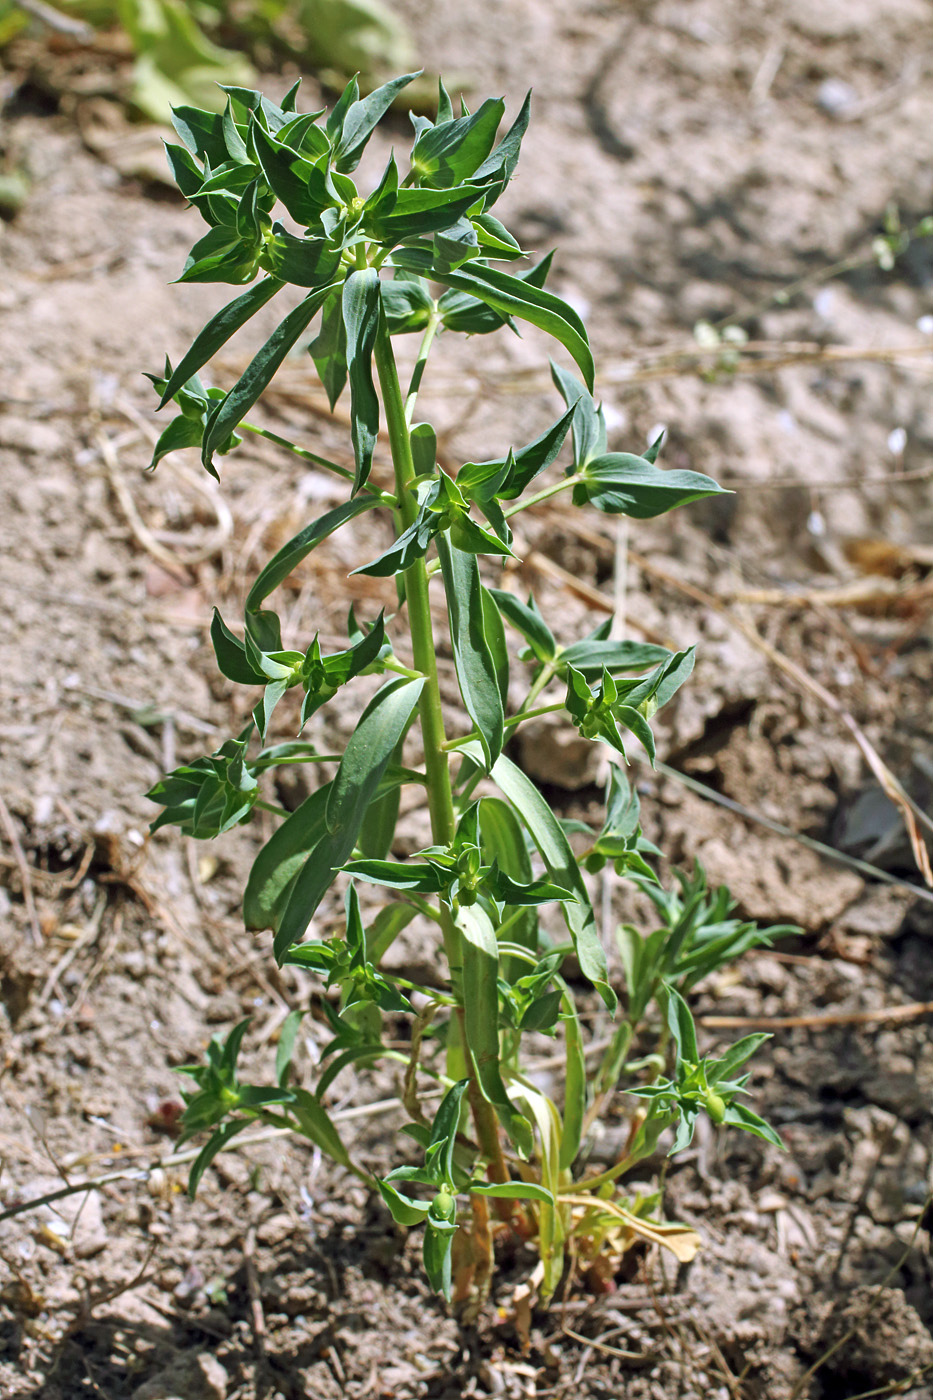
(690, 161)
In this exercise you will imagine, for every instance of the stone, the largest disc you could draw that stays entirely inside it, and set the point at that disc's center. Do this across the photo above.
(197, 1377)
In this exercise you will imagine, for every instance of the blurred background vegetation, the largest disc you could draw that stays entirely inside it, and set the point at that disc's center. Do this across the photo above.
(151, 54)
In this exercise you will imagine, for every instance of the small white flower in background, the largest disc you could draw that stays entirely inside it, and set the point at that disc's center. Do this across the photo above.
(816, 525)
(925, 325)
(897, 441)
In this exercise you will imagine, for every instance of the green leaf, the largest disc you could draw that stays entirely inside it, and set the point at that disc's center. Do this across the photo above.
(279, 863)
(575, 1085)
(476, 667)
(368, 751)
(256, 377)
(542, 1013)
(329, 349)
(622, 484)
(407, 304)
(470, 316)
(361, 119)
(480, 981)
(300, 184)
(221, 256)
(316, 1125)
(504, 842)
(231, 655)
(423, 440)
(217, 332)
(548, 836)
(589, 425)
(444, 1134)
(304, 262)
(286, 1046)
(300, 546)
(181, 432)
(526, 619)
(436, 1255)
(417, 876)
(202, 133)
(215, 1143)
(449, 153)
(405, 1210)
(361, 309)
(734, 1057)
(591, 657)
(511, 1191)
(500, 164)
(738, 1116)
(358, 777)
(680, 1024)
(494, 632)
(386, 927)
(417, 214)
(513, 296)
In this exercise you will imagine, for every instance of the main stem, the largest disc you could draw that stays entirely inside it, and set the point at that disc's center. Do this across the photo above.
(436, 763)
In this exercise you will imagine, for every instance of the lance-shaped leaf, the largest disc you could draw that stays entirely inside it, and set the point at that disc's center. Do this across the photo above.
(508, 477)
(449, 153)
(368, 751)
(591, 656)
(417, 213)
(419, 877)
(511, 1190)
(304, 262)
(360, 119)
(405, 1210)
(202, 132)
(361, 310)
(217, 332)
(232, 656)
(504, 843)
(622, 484)
(511, 296)
(329, 348)
(476, 667)
(279, 863)
(439, 1154)
(258, 374)
(526, 618)
(407, 304)
(317, 1126)
(548, 835)
(500, 164)
(300, 546)
(470, 316)
(480, 982)
(222, 255)
(680, 1024)
(301, 185)
(589, 425)
(358, 778)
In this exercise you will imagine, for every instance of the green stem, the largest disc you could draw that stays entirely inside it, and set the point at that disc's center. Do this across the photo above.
(439, 790)
(541, 682)
(271, 807)
(511, 723)
(299, 451)
(440, 795)
(544, 494)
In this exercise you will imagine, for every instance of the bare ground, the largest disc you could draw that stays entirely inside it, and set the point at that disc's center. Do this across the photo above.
(690, 161)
